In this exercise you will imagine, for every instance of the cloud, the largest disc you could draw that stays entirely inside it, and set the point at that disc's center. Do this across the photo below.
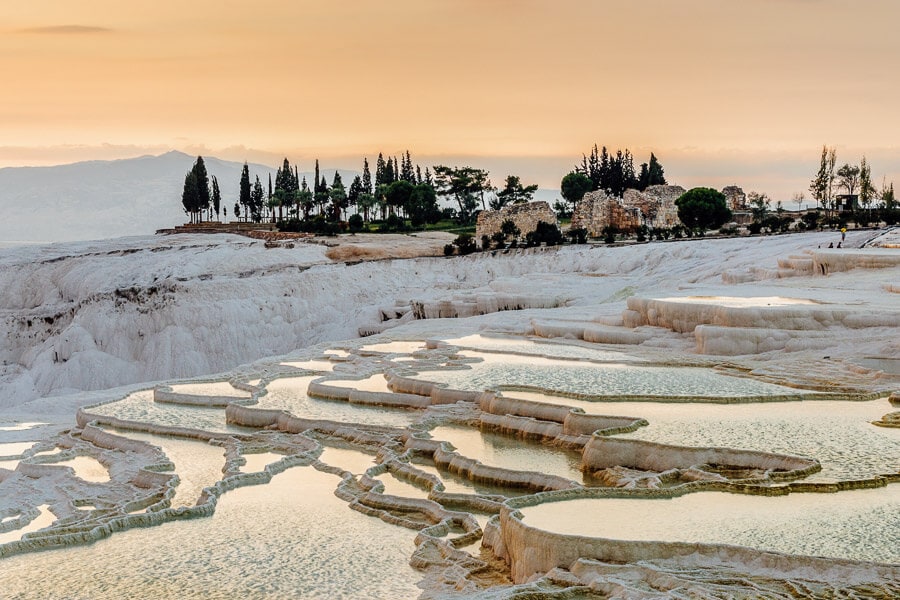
(67, 29)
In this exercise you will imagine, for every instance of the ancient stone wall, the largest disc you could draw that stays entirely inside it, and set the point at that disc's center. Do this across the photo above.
(526, 217)
(654, 207)
(735, 198)
(597, 210)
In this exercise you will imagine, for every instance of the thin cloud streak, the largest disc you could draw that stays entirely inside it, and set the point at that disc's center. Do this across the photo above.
(67, 30)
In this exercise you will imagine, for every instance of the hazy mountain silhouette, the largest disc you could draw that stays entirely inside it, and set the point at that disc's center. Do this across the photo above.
(104, 199)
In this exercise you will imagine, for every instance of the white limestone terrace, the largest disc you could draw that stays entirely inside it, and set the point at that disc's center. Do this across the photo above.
(94, 315)
(129, 330)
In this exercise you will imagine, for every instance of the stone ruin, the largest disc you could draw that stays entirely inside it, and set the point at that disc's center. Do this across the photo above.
(525, 215)
(735, 198)
(654, 207)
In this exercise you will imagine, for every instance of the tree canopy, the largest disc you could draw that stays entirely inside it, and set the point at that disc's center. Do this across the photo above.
(195, 196)
(574, 186)
(513, 193)
(463, 184)
(703, 208)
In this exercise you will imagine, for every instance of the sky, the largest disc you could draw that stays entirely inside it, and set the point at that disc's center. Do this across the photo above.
(722, 91)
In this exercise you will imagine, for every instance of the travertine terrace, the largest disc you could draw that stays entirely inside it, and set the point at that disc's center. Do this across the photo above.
(669, 371)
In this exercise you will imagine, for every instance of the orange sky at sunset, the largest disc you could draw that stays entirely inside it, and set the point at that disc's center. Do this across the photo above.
(744, 92)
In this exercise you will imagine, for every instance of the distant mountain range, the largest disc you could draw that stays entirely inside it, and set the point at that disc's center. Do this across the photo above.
(112, 198)
(105, 199)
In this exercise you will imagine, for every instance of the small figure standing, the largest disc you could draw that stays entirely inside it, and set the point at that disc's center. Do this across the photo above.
(843, 234)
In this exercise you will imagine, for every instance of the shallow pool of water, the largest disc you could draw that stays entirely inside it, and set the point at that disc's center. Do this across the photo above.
(837, 433)
(740, 302)
(858, 524)
(454, 484)
(510, 453)
(354, 461)
(598, 378)
(197, 464)
(312, 365)
(22, 426)
(538, 348)
(395, 486)
(881, 363)
(399, 347)
(257, 462)
(87, 468)
(44, 519)
(337, 352)
(289, 393)
(291, 538)
(375, 383)
(213, 388)
(15, 448)
(141, 408)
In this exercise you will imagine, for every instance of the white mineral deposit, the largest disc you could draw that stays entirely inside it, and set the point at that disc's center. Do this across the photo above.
(674, 409)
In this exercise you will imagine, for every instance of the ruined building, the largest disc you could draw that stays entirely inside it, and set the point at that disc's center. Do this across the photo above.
(654, 207)
(735, 198)
(525, 216)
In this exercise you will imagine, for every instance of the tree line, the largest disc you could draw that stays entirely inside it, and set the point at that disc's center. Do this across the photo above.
(399, 191)
(611, 173)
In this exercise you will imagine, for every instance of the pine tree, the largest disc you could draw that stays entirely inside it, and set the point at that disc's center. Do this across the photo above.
(418, 175)
(389, 176)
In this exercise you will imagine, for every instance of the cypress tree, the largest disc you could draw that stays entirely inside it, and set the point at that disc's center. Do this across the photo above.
(203, 197)
(656, 173)
(257, 197)
(380, 167)
(244, 198)
(189, 196)
(644, 177)
(216, 196)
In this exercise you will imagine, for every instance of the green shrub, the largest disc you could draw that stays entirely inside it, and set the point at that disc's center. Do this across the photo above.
(465, 244)
(578, 235)
(355, 223)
